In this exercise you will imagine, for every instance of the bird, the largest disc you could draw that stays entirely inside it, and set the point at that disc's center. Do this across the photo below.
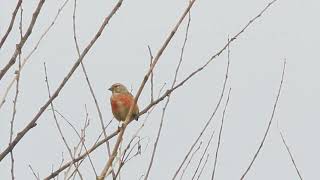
(121, 101)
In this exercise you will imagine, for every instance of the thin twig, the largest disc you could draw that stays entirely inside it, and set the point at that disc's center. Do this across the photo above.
(12, 165)
(269, 125)
(151, 78)
(34, 174)
(61, 162)
(291, 156)
(32, 123)
(14, 111)
(219, 138)
(221, 126)
(288, 150)
(3, 39)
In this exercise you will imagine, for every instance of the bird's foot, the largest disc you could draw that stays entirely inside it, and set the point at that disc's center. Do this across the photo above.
(120, 125)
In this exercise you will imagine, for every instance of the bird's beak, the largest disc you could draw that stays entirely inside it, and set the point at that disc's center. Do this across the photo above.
(110, 89)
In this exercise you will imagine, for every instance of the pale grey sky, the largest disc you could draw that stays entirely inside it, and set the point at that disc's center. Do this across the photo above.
(289, 29)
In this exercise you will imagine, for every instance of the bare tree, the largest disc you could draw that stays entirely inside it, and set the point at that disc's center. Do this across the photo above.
(119, 149)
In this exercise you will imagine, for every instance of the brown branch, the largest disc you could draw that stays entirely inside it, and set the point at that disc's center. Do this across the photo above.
(32, 123)
(11, 23)
(220, 131)
(23, 40)
(145, 79)
(151, 78)
(219, 138)
(269, 125)
(14, 111)
(289, 151)
(12, 165)
(291, 156)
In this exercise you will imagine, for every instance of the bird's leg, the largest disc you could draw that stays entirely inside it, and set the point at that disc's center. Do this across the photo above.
(120, 124)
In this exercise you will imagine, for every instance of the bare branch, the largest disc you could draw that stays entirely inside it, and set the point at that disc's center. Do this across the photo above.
(288, 150)
(34, 174)
(11, 23)
(219, 139)
(17, 75)
(270, 121)
(291, 156)
(151, 78)
(220, 131)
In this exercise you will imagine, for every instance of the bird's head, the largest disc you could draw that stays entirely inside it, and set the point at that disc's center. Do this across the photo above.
(118, 88)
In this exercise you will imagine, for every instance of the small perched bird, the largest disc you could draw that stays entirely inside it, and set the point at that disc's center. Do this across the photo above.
(121, 101)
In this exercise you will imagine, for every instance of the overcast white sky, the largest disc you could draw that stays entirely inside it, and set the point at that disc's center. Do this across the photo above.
(289, 29)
